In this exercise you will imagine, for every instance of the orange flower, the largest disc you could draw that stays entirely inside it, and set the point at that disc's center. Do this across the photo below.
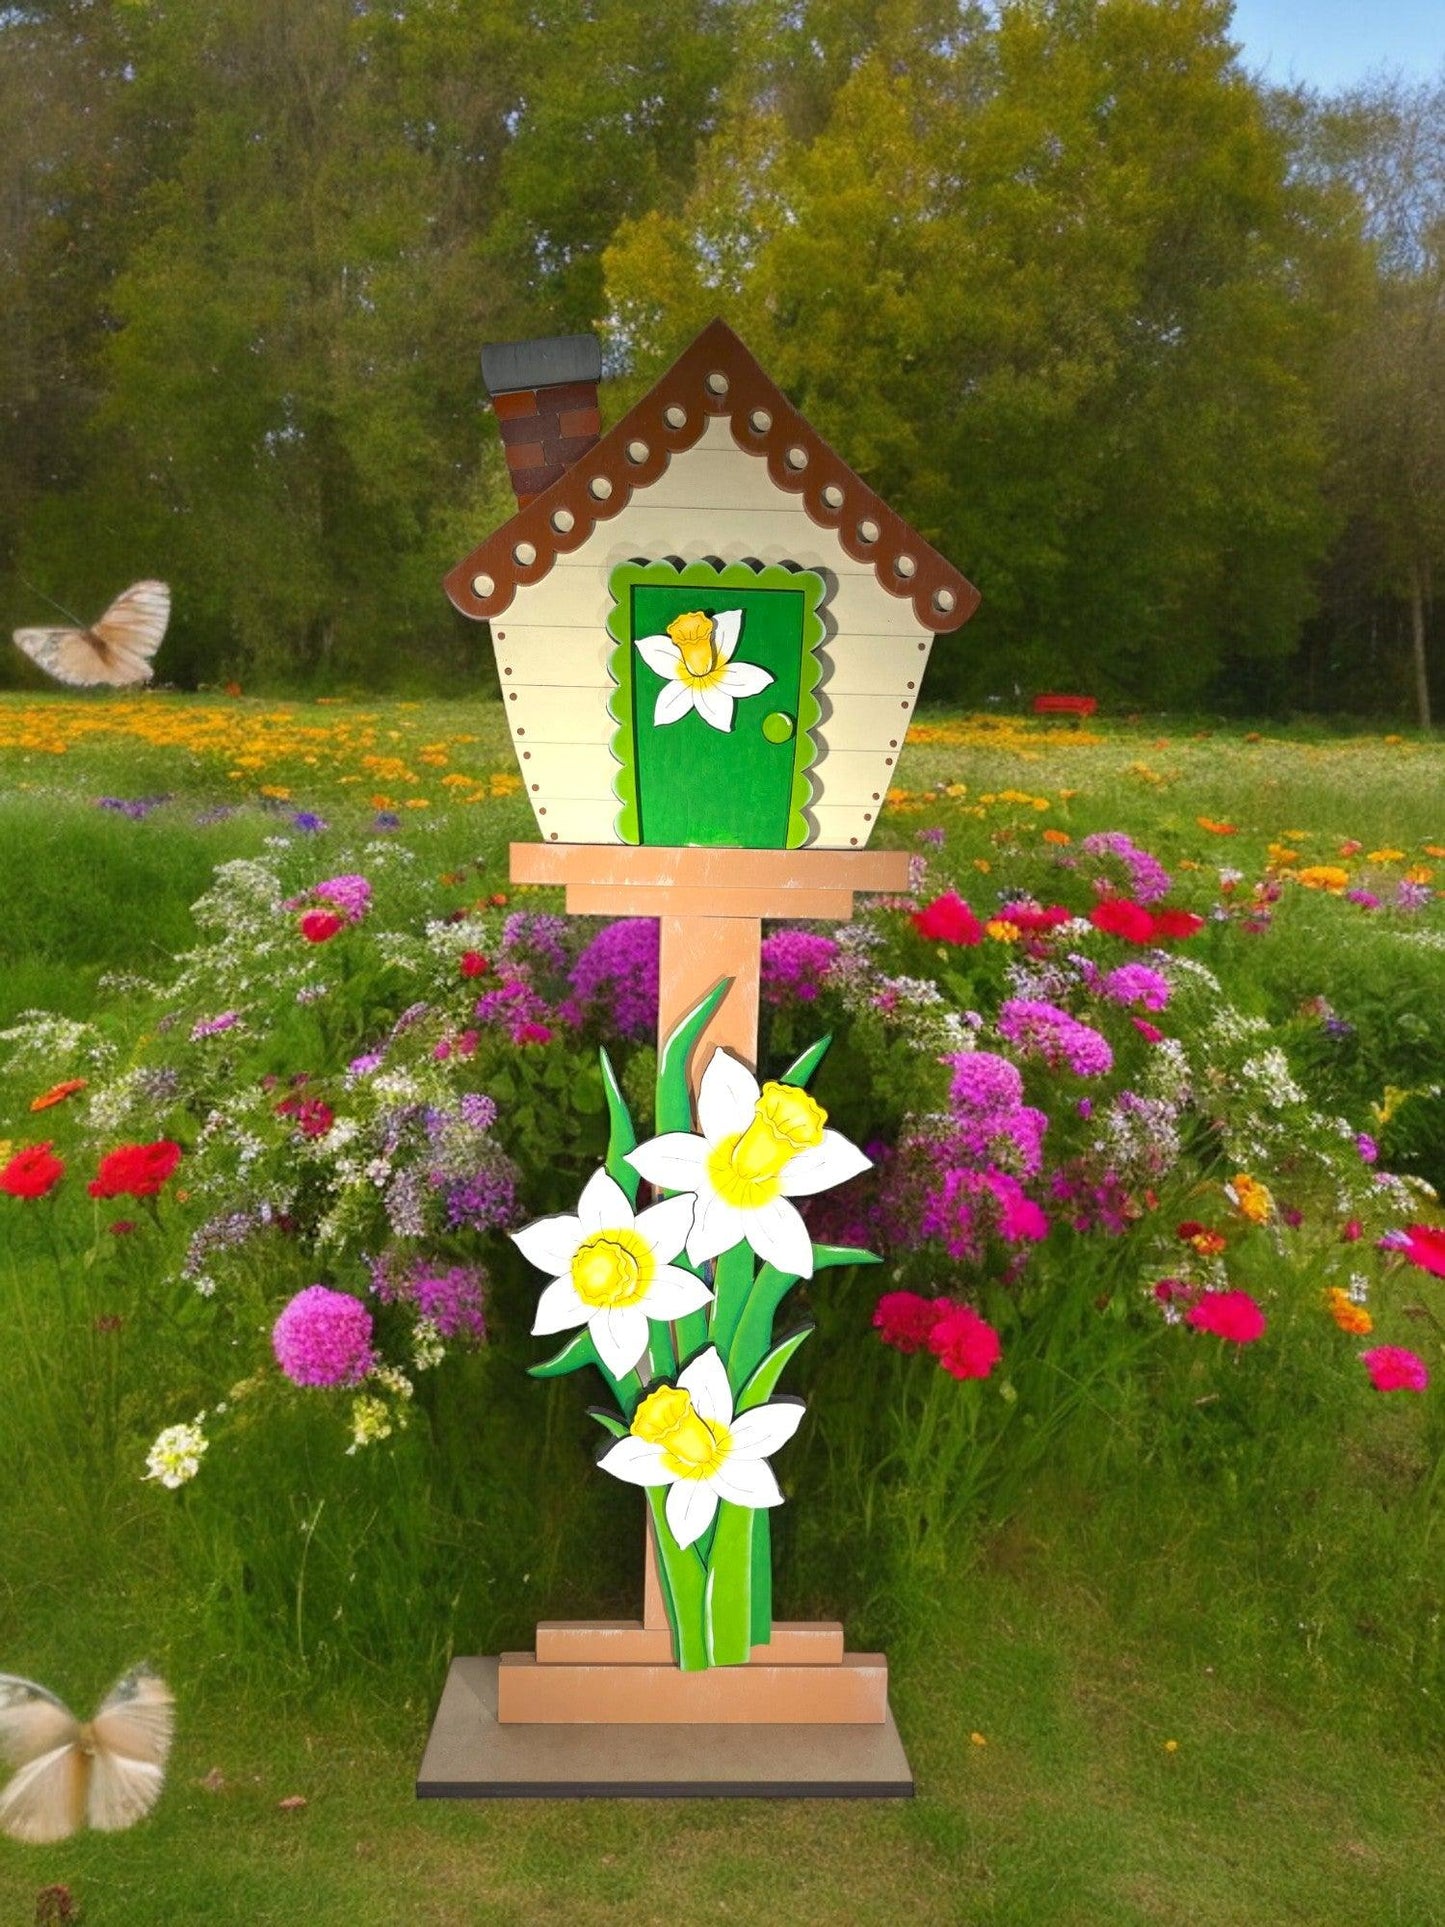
(1434, 849)
(1323, 876)
(1057, 836)
(1349, 1316)
(1216, 829)
(57, 1094)
(1250, 1198)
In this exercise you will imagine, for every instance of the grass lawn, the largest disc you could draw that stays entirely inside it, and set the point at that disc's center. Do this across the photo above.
(1137, 1695)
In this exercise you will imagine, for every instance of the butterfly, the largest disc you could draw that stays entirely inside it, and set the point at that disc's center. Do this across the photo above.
(116, 648)
(107, 1772)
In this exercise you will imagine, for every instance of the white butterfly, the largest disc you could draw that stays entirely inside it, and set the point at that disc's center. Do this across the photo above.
(108, 1771)
(116, 648)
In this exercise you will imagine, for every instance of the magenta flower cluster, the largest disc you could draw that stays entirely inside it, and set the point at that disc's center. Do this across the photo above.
(614, 980)
(1147, 879)
(451, 1297)
(795, 966)
(1043, 1030)
(323, 1337)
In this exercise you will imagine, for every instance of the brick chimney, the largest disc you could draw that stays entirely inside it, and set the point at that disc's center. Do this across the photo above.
(545, 396)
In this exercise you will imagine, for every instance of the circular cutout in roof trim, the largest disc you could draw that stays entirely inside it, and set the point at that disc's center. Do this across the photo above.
(760, 421)
(524, 555)
(868, 530)
(717, 381)
(637, 453)
(675, 417)
(483, 586)
(563, 521)
(797, 458)
(905, 566)
(833, 496)
(600, 488)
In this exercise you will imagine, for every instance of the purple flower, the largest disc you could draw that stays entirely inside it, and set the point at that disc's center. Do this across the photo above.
(450, 1297)
(1366, 1146)
(532, 934)
(936, 837)
(1412, 896)
(323, 1337)
(615, 978)
(1148, 879)
(477, 1111)
(1366, 899)
(484, 1199)
(350, 894)
(795, 965)
(364, 1065)
(984, 1081)
(1043, 1030)
(309, 820)
(213, 1026)
(386, 820)
(1135, 984)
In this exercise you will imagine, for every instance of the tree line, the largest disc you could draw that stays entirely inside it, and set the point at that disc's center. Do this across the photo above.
(1154, 352)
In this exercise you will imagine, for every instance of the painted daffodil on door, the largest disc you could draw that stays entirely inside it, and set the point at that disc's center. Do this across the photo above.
(687, 1438)
(759, 1147)
(695, 656)
(612, 1270)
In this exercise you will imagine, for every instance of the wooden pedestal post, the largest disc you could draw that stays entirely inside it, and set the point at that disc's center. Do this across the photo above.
(711, 905)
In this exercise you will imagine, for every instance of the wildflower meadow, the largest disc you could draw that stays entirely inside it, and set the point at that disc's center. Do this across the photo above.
(1124, 1369)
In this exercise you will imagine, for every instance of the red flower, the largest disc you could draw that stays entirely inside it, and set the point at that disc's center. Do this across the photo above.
(314, 1118)
(1426, 1247)
(948, 919)
(1033, 922)
(1228, 1314)
(472, 963)
(1151, 1033)
(1117, 917)
(904, 1320)
(1176, 923)
(1393, 1369)
(135, 1170)
(530, 1033)
(320, 926)
(32, 1172)
(965, 1344)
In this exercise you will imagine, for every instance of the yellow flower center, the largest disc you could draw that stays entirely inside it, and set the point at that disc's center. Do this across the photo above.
(692, 1447)
(613, 1268)
(746, 1169)
(694, 636)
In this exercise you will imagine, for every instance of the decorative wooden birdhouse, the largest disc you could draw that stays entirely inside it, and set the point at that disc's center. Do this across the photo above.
(709, 631)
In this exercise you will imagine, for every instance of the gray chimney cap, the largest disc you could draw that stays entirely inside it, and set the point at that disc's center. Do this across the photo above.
(547, 362)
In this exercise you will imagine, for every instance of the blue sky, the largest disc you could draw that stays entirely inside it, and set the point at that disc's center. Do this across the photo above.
(1333, 43)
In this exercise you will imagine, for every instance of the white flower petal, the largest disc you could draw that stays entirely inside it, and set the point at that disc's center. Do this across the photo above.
(635, 1461)
(549, 1243)
(665, 1226)
(661, 654)
(832, 1162)
(777, 1233)
(559, 1309)
(673, 1161)
(674, 700)
(705, 1381)
(674, 1292)
(691, 1508)
(758, 1434)
(744, 679)
(714, 706)
(716, 1227)
(603, 1205)
(727, 626)
(620, 1334)
(746, 1482)
(726, 1097)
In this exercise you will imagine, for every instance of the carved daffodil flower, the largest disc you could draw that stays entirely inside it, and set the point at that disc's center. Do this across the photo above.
(758, 1147)
(695, 657)
(686, 1437)
(612, 1269)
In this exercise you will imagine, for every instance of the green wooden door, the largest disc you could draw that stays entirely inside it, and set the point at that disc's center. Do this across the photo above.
(715, 670)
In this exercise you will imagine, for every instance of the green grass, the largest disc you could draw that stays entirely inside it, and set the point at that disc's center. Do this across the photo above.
(1256, 1580)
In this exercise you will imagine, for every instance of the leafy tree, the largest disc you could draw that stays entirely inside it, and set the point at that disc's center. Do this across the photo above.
(1048, 280)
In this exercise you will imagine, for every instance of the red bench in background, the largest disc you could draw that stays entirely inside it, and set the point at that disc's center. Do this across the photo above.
(1065, 705)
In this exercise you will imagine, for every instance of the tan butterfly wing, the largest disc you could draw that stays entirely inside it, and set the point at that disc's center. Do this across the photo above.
(131, 1736)
(116, 649)
(45, 1800)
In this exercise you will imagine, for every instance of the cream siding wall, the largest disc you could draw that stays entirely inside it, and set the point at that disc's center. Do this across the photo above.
(552, 646)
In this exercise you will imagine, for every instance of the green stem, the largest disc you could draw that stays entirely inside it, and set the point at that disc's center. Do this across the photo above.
(729, 1596)
(732, 1284)
(762, 1627)
(684, 1583)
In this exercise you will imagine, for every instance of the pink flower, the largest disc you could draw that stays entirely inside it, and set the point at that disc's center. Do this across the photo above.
(905, 1321)
(1393, 1369)
(1232, 1315)
(964, 1344)
(1425, 1247)
(1151, 1033)
(948, 919)
(323, 1337)
(472, 963)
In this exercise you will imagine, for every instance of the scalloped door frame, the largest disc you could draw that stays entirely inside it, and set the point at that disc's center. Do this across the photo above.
(716, 582)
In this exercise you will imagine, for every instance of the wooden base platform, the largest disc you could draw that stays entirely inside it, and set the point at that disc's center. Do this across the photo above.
(472, 1756)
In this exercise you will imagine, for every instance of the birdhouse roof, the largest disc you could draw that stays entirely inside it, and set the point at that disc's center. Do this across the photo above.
(715, 377)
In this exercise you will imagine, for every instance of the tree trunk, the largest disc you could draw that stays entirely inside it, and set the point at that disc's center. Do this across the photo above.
(1417, 644)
